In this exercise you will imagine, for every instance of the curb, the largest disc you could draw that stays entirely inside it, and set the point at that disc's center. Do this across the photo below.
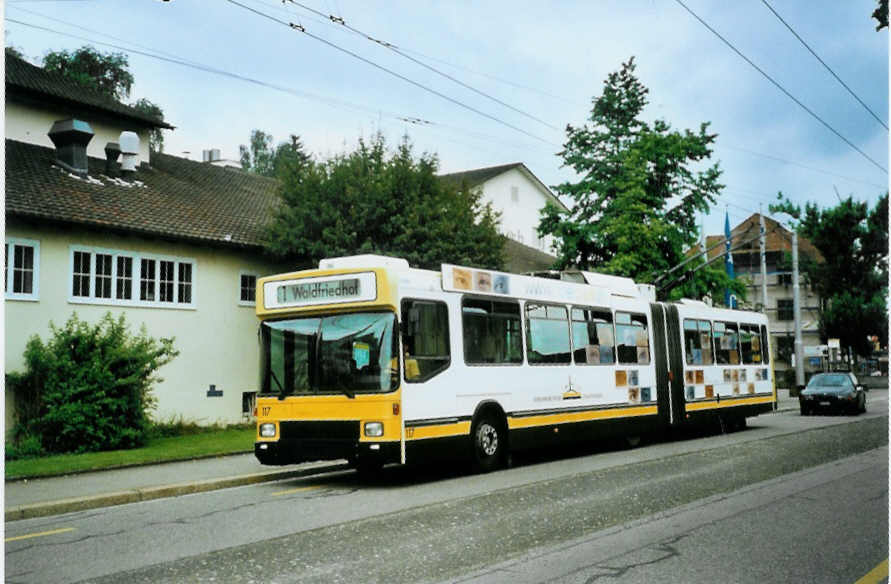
(61, 506)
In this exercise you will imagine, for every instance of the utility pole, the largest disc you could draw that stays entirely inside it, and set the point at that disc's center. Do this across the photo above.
(763, 241)
(796, 309)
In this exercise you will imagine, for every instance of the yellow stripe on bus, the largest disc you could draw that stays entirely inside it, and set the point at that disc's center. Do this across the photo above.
(584, 416)
(438, 430)
(728, 403)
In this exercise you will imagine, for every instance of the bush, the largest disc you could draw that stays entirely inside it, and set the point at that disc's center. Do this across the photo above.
(89, 386)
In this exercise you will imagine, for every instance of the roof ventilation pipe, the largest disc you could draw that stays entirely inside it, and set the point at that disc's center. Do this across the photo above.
(112, 152)
(130, 150)
(70, 138)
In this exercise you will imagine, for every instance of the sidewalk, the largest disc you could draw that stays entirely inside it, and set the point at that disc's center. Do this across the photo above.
(25, 499)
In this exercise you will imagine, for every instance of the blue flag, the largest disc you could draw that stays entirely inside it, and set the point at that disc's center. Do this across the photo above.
(729, 299)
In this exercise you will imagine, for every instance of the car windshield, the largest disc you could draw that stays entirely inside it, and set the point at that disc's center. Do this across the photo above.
(830, 380)
(344, 353)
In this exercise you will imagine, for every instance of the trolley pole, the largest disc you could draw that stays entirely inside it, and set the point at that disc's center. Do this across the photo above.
(796, 308)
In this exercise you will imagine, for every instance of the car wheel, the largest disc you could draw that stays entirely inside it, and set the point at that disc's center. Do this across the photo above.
(489, 441)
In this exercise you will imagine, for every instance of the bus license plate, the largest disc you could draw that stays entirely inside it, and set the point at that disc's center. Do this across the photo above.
(824, 403)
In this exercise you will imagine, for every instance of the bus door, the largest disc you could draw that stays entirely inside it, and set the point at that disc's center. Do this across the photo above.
(660, 358)
(675, 364)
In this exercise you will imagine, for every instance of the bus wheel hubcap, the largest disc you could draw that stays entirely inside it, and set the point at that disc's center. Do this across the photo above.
(488, 439)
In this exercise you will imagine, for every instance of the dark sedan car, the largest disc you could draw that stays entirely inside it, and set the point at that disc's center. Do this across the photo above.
(833, 391)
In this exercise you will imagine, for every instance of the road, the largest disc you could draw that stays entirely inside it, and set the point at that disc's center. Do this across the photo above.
(701, 509)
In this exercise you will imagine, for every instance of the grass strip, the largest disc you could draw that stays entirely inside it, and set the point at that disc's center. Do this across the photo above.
(168, 449)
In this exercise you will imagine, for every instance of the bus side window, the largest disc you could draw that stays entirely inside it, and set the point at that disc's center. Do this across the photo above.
(698, 342)
(547, 334)
(425, 339)
(492, 333)
(592, 337)
(750, 344)
(727, 343)
(632, 341)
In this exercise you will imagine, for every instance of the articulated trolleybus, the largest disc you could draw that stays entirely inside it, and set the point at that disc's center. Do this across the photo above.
(373, 361)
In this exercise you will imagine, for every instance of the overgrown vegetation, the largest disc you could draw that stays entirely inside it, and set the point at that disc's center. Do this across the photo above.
(87, 388)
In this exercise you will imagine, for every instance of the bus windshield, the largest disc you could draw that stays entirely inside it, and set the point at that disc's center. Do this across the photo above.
(343, 353)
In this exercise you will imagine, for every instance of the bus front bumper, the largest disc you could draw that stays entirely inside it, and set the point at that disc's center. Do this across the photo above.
(285, 451)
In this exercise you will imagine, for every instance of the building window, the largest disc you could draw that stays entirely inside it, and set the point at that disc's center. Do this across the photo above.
(785, 309)
(108, 277)
(248, 287)
(514, 195)
(81, 274)
(22, 259)
(103, 275)
(124, 289)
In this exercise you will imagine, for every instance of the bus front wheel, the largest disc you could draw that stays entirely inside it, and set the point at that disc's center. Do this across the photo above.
(489, 443)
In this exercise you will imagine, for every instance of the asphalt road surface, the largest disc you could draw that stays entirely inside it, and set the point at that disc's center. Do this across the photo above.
(789, 499)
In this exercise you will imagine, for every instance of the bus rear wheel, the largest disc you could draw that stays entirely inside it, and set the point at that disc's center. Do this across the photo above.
(489, 439)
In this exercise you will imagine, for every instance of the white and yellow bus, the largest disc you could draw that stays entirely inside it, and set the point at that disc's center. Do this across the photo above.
(373, 361)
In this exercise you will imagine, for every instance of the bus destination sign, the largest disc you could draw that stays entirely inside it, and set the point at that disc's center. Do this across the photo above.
(324, 290)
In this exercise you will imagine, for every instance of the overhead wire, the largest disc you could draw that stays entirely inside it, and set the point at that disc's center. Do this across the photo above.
(330, 101)
(340, 21)
(822, 62)
(302, 29)
(780, 87)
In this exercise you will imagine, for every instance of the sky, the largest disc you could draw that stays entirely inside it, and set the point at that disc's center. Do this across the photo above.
(526, 70)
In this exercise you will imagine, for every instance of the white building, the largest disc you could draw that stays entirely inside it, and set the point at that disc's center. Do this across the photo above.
(519, 196)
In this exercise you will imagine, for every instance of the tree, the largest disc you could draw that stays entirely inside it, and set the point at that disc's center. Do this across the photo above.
(156, 135)
(264, 159)
(881, 14)
(88, 387)
(367, 201)
(637, 196)
(852, 278)
(15, 52)
(106, 73)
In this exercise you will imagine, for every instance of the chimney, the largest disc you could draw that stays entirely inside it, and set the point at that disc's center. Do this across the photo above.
(212, 155)
(112, 151)
(71, 138)
(130, 149)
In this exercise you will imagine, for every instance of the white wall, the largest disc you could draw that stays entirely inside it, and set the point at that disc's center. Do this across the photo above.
(217, 339)
(519, 218)
(31, 125)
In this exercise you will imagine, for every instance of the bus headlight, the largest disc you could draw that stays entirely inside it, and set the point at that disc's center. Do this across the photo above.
(374, 429)
(267, 430)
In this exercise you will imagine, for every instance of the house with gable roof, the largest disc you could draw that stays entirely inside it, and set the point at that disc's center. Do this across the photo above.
(519, 195)
(779, 309)
(174, 245)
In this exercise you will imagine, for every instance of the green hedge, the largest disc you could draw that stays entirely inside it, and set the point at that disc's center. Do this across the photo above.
(87, 388)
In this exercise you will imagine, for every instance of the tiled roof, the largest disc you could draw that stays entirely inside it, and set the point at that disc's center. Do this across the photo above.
(24, 80)
(174, 197)
(778, 239)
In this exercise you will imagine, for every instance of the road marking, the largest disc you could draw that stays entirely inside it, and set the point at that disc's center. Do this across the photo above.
(54, 532)
(297, 490)
(875, 575)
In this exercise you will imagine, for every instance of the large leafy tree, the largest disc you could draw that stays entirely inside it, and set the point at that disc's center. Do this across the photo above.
(852, 278)
(881, 14)
(639, 189)
(263, 158)
(108, 73)
(372, 201)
